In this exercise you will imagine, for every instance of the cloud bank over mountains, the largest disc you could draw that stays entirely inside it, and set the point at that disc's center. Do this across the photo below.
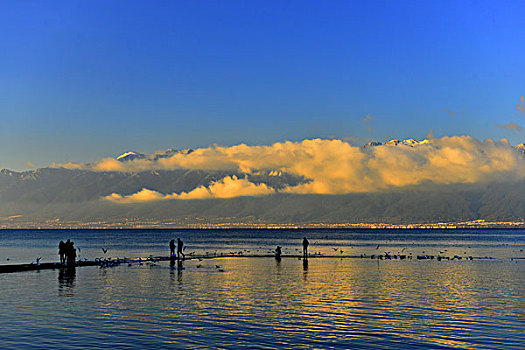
(448, 179)
(328, 167)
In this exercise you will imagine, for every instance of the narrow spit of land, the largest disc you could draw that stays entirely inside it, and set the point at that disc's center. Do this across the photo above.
(110, 262)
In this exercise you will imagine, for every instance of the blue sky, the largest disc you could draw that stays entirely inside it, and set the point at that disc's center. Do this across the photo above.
(82, 80)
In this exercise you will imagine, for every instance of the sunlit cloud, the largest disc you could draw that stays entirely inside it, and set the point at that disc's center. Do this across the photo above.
(228, 187)
(510, 126)
(521, 105)
(333, 166)
(110, 164)
(143, 195)
(72, 166)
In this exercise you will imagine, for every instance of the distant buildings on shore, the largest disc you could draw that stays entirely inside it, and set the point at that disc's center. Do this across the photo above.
(18, 222)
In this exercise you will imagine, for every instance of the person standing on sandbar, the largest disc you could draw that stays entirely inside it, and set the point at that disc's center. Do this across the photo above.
(180, 247)
(62, 252)
(305, 248)
(278, 253)
(172, 248)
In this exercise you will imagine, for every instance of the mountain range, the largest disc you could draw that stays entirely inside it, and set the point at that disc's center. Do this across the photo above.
(36, 197)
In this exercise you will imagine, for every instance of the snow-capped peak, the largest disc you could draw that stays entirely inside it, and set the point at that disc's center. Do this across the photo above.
(130, 156)
(408, 142)
(520, 148)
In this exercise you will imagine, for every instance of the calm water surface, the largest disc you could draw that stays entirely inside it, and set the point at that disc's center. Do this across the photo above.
(262, 303)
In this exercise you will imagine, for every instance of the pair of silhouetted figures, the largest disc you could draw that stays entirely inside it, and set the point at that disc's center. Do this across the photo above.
(67, 252)
(278, 250)
(180, 248)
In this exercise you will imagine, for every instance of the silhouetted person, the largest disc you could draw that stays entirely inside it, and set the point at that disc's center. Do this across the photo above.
(180, 247)
(67, 251)
(278, 253)
(61, 252)
(70, 252)
(172, 248)
(305, 248)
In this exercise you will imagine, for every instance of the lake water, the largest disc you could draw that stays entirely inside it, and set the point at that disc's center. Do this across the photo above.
(262, 303)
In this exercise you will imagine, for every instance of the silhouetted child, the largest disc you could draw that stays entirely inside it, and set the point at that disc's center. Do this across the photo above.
(73, 255)
(278, 253)
(172, 248)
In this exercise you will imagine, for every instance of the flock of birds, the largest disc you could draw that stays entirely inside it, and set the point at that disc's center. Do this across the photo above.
(151, 261)
(387, 255)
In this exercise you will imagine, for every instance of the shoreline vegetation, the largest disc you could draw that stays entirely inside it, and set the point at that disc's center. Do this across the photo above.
(14, 222)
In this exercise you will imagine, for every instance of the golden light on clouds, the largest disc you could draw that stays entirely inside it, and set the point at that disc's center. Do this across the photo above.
(332, 166)
(228, 187)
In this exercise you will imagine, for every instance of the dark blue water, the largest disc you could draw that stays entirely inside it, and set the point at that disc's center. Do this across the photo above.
(263, 303)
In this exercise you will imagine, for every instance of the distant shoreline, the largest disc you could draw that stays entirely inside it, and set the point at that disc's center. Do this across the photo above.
(477, 225)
